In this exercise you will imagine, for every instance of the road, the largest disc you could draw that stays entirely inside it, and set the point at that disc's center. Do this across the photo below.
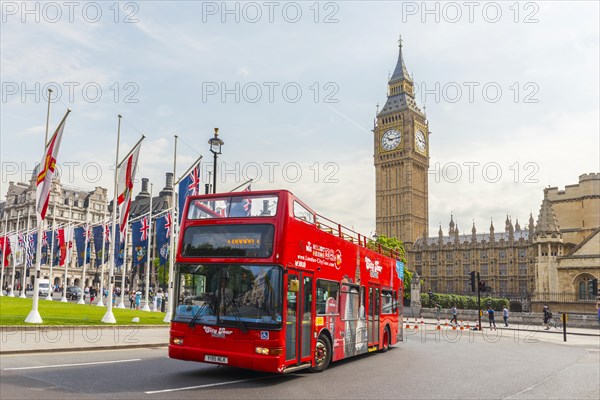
(471, 366)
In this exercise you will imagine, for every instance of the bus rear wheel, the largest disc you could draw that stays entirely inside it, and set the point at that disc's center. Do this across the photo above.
(322, 354)
(385, 344)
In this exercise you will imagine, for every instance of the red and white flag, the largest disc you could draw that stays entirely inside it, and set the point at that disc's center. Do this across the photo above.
(125, 186)
(46, 171)
(5, 248)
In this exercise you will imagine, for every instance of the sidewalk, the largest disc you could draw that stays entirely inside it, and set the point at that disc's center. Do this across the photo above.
(500, 326)
(37, 339)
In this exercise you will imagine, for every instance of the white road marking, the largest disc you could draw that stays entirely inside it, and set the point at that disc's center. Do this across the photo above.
(207, 385)
(73, 365)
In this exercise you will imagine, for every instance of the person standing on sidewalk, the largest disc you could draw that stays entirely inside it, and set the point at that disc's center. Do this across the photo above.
(505, 315)
(490, 312)
(438, 309)
(454, 314)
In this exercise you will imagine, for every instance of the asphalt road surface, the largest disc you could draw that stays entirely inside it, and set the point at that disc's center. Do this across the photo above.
(471, 366)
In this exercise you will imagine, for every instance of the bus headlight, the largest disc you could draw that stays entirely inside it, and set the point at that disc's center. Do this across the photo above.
(177, 340)
(266, 351)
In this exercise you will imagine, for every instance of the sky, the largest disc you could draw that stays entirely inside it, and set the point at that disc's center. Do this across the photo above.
(510, 89)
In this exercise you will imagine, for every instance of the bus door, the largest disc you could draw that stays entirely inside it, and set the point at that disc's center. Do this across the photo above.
(373, 315)
(299, 326)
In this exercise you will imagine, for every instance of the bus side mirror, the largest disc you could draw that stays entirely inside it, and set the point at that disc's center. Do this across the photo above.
(293, 285)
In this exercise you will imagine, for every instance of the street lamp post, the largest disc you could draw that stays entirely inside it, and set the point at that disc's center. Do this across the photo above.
(215, 148)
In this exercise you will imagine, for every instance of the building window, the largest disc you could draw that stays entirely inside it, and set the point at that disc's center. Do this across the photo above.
(522, 269)
(449, 270)
(503, 286)
(483, 254)
(502, 253)
(523, 285)
(503, 270)
(585, 290)
(484, 269)
(466, 269)
(433, 270)
(466, 255)
(449, 256)
(433, 256)
(418, 257)
(522, 253)
(449, 287)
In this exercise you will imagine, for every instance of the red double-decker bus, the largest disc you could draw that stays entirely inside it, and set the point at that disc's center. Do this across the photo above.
(263, 282)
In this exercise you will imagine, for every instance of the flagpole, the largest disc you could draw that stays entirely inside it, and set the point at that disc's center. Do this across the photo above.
(124, 266)
(53, 239)
(12, 280)
(26, 258)
(243, 184)
(47, 117)
(100, 303)
(69, 254)
(148, 246)
(5, 234)
(109, 317)
(169, 308)
(86, 235)
(194, 165)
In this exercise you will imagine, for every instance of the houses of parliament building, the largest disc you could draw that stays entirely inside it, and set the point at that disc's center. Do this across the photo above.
(553, 258)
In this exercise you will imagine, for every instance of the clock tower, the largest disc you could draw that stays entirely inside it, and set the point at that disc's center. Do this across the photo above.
(401, 156)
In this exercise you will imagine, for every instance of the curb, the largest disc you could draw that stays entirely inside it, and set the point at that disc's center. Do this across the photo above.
(69, 349)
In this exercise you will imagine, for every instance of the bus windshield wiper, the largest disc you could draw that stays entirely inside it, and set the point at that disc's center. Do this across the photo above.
(192, 323)
(236, 313)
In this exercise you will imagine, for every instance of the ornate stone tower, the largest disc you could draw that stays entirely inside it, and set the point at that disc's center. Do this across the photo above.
(549, 245)
(401, 157)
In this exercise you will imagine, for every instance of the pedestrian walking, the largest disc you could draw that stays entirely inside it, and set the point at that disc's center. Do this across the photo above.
(490, 312)
(547, 317)
(138, 299)
(505, 315)
(454, 315)
(92, 295)
(131, 300)
(159, 299)
(438, 309)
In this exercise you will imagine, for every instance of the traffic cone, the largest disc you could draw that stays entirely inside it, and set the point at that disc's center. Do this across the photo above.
(438, 327)
(422, 321)
(468, 325)
(462, 328)
(446, 324)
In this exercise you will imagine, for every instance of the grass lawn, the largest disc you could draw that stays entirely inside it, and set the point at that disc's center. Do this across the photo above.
(14, 310)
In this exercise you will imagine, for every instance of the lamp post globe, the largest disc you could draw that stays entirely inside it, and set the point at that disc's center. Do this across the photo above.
(215, 147)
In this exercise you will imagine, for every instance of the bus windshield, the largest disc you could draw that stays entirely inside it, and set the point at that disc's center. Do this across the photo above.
(246, 296)
(233, 207)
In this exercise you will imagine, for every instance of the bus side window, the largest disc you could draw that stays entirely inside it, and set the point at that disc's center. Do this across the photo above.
(327, 297)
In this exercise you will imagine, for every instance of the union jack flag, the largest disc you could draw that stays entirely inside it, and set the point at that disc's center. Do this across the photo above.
(87, 233)
(168, 224)
(45, 239)
(144, 228)
(194, 185)
(106, 233)
(247, 203)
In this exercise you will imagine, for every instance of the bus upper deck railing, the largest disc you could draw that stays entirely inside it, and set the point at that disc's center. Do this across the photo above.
(347, 234)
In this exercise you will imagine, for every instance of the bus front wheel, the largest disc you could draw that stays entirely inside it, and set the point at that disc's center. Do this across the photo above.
(322, 354)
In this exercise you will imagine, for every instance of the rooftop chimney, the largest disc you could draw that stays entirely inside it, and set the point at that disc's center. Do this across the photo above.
(144, 194)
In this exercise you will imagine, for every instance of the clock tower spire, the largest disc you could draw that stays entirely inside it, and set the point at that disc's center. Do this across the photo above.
(401, 157)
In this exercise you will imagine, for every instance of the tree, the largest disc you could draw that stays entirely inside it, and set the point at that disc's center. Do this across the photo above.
(396, 246)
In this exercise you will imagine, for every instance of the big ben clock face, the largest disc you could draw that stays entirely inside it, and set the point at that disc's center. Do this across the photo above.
(390, 139)
(420, 142)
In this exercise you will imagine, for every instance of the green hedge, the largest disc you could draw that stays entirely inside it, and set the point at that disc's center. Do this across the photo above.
(461, 302)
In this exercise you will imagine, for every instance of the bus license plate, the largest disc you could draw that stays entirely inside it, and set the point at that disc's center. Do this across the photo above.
(216, 359)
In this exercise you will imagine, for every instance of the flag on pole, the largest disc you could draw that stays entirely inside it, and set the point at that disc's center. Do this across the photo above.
(46, 171)
(139, 241)
(189, 186)
(80, 240)
(31, 241)
(100, 243)
(163, 228)
(127, 171)
(5, 249)
(62, 245)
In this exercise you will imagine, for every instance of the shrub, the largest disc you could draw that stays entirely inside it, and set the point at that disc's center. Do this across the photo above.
(461, 302)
